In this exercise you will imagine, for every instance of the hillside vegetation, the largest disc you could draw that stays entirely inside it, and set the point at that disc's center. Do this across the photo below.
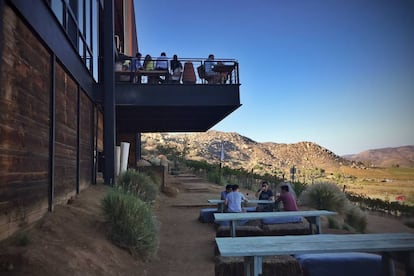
(312, 162)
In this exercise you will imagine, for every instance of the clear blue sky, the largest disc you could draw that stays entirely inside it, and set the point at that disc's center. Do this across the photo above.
(339, 73)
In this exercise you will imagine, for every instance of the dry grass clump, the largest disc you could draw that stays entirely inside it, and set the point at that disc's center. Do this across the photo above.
(132, 225)
(139, 184)
(328, 196)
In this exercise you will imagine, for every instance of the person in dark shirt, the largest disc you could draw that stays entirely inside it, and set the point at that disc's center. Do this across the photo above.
(264, 193)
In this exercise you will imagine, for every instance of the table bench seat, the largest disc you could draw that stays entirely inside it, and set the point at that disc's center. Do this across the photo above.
(207, 215)
(340, 264)
(272, 266)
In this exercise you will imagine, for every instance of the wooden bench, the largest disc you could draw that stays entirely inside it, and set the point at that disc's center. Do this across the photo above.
(253, 249)
(312, 216)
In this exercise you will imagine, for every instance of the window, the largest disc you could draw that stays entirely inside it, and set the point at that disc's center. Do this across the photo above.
(80, 20)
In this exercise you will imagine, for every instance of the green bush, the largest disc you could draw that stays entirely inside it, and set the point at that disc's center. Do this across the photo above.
(333, 223)
(132, 225)
(325, 195)
(356, 218)
(139, 184)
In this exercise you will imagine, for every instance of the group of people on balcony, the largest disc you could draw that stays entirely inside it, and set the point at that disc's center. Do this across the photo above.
(175, 71)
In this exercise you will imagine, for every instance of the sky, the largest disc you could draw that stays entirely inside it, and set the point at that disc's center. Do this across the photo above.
(339, 73)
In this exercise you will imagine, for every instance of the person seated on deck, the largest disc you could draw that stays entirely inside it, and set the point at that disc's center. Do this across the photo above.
(161, 64)
(234, 200)
(176, 70)
(209, 75)
(287, 198)
(149, 66)
(264, 193)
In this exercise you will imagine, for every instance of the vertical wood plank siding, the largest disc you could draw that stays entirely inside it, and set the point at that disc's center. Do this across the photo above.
(86, 140)
(66, 131)
(25, 125)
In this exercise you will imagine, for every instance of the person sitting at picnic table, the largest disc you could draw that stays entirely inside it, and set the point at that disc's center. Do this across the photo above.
(224, 193)
(287, 198)
(234, 200)
(223, 196)
(264, 193)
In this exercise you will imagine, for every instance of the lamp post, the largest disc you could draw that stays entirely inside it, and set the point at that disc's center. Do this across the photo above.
(292, 173)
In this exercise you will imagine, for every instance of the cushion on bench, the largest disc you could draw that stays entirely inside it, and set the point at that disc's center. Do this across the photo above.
(250, 209)
(207, 215)
(290, 219)
(340, 264)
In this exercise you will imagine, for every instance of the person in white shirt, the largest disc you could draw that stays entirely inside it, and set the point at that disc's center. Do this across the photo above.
(234, 200)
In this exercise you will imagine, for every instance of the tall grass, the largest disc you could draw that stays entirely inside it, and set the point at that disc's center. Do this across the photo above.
(324, 196)
(132, 225)
(328, 196)
(138, 184)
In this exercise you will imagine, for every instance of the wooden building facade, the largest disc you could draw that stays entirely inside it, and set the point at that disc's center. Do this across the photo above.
(50, 127)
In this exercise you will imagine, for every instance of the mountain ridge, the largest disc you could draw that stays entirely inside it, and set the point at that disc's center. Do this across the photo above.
(270, 157)
(386, 157)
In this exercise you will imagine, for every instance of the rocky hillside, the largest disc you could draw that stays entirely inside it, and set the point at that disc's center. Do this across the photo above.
(242, 152)
(386, 157)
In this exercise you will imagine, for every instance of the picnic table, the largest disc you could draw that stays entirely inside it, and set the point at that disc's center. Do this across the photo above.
(220, 202)
(253, 249)
(312, 216)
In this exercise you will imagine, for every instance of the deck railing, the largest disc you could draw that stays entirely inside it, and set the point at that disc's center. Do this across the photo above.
(194, 71)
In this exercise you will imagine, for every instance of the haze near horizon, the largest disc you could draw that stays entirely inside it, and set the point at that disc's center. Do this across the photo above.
(336, 73)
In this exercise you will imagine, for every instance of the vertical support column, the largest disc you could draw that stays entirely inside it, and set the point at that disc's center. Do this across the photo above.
(52, 133)
(109, 95)
(78, 121)
(95, 144)
(137, 148)
(1, 38)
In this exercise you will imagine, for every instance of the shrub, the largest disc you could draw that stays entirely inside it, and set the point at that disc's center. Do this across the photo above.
(325, 196)
(132, 225)
(299, 188)
(333, 223)
(356, 218)
(139, 184)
